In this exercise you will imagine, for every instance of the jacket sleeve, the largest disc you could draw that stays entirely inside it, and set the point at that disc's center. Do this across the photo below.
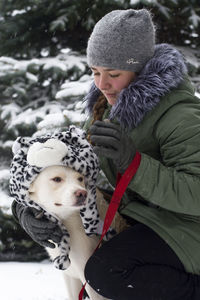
(173, 183)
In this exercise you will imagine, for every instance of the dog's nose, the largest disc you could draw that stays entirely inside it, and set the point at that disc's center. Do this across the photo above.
(80, 196)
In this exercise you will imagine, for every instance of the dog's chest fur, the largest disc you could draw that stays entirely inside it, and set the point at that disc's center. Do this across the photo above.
(82, 246)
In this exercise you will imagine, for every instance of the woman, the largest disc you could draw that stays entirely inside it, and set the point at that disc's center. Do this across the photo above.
(144, 91)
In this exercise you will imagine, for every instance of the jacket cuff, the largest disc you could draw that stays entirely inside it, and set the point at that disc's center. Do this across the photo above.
(132, 168)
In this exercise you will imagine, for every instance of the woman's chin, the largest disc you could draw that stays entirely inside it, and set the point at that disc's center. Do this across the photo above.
(111, 99)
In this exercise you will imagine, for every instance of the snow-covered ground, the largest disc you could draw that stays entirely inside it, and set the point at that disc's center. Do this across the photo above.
(31, 281)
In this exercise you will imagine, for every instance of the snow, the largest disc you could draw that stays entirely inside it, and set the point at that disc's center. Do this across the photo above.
(10, 109)
(56, 115)
(4, 174)
(194, 19)
(28, 116)
(197, 95)
(5, 202)
(56, 111)
(63, 62)
(74, 116)
(31, 77)
(52, 121)
(18, 12)
(134, 2)
(73, 88)
(32, 281)
(55, 64)
(5, 199)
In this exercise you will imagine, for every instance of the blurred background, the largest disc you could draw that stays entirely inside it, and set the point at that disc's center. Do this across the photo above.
(44, 77)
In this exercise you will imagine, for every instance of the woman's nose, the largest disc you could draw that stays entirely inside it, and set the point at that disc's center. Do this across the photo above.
(103, 83)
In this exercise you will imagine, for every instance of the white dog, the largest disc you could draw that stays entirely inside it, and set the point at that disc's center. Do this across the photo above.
(61, 191)
(45, 175)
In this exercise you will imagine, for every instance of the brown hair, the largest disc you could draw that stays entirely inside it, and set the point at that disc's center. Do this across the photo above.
(99, 108)
(98, 111)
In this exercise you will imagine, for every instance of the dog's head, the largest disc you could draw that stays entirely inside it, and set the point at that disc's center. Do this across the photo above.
(33, 155)
(59, 190)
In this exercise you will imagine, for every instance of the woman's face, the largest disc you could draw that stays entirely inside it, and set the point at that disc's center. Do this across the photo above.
(111, 81)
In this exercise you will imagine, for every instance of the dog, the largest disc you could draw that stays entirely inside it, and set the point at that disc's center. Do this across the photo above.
(56, 174)
(62, 192)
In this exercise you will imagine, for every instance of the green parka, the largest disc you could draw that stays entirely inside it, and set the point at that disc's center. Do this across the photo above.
(165, 192)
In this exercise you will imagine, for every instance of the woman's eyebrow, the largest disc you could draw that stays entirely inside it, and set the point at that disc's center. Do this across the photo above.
(103, 69)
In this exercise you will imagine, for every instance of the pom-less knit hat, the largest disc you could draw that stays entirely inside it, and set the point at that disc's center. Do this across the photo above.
(70, 148)
(122, 39)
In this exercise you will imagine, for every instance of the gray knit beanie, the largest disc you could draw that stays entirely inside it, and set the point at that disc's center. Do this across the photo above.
(122, 39)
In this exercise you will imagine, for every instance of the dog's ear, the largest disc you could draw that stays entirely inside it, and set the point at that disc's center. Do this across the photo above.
(32, 192)
(31, 189)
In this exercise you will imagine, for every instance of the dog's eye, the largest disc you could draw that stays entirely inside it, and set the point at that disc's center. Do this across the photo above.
(80, 179)
(57, 179)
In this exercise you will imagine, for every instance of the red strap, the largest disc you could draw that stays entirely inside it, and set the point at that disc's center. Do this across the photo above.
(122, 183)
(80, 297)
(121, 186)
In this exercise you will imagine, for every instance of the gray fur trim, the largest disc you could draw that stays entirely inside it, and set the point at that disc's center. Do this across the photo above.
(161, 74)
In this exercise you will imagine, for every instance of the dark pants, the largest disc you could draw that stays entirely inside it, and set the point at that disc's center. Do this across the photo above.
(138, 265)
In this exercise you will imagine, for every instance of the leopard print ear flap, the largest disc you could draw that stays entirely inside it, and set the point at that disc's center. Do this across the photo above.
(19, 143)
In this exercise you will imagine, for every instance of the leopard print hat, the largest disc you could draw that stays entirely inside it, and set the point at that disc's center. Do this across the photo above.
(70, 148)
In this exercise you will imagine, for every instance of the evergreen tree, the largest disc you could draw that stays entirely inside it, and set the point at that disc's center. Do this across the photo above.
(32, 28)
(31, 103)
(29, 26)
(15, 244)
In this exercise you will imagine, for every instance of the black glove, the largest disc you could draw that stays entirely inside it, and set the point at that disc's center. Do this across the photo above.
(110, 141)
(41, 230)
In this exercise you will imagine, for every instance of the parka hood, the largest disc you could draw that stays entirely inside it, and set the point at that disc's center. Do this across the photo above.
(163, 72)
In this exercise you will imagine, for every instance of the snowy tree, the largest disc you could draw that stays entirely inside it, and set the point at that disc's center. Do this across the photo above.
(15, 244)
(37, 96)
(33, 28)
(30, 27)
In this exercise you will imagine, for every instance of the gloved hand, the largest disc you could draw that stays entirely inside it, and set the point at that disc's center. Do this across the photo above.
(110, 141)
(41, 230)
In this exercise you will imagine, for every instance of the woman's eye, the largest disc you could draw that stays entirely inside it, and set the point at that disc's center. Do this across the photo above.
(57, 179)
(96, 74)
(114, 75)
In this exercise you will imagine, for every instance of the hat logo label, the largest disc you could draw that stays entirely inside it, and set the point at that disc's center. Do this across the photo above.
(132, 61)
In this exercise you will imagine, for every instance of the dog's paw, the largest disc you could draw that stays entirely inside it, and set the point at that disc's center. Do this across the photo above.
(62, 262)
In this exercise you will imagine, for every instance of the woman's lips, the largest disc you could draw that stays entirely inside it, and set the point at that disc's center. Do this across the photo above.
(110, 94)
